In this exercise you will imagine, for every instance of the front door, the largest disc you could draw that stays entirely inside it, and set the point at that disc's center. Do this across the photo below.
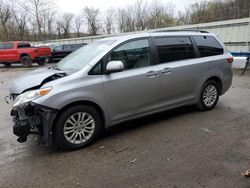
(135, 90)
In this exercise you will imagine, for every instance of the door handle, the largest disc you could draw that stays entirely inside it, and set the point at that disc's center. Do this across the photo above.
(151, 74)
(166, 71)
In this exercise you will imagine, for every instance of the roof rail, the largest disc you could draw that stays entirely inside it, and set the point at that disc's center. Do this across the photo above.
(182, 30)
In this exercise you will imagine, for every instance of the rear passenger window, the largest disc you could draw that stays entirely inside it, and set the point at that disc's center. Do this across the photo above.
(208, 46)
(23, 45)
(174, 48)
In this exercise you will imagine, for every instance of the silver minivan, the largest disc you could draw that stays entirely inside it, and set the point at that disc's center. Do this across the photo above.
(117, 79)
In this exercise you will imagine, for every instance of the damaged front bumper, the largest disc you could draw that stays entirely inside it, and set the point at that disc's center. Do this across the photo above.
(32, 118)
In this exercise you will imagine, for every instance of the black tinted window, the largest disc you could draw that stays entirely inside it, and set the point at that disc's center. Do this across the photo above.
(66, 47)
(174, 48)
(74, 46)
(208, 46)
(97, 70)
(23, 45)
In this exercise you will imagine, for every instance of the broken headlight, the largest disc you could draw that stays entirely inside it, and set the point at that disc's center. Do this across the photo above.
(31, 95)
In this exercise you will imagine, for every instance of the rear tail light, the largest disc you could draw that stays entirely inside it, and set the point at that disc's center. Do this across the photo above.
(230, 60)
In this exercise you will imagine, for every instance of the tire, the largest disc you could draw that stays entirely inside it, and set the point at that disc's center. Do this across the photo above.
(77, 138)
(7, 64)
(41, 62)
(26, 61)
(51, 60)
(209, 96)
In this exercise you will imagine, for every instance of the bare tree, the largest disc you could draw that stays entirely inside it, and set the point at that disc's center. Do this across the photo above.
(121, 16)
(141, 16)
(109, 21)
(183, 17)
(126, 19)
(59, 29)
(38, 9)
(37, 20)
(66, 24)
(161, 15)
(5, 15)
(50, 22)
(21, 20)
(34, 7)
(217, 10)
(130, 22)
(91, 16)
(200, 12)
(78, 24)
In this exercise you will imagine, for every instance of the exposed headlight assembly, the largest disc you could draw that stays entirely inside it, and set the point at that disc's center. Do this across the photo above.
(31, 95)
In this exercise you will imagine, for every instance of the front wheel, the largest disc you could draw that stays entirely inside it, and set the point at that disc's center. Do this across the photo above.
(41, 62)
(26, 61)
(209, 96)
(78, 127)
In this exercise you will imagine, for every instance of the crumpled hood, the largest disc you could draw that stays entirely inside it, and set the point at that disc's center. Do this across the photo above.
(34, 79)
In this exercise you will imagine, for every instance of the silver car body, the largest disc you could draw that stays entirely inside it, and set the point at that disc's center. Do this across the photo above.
(134, 93)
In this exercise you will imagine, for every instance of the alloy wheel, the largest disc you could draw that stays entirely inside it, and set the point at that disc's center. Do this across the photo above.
(210, 95)
(79, 127)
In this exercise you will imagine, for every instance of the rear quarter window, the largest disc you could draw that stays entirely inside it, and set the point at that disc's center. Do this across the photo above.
(174, 48)
(5, 46)
(208, 46)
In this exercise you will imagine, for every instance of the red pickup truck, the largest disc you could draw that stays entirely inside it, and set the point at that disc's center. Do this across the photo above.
(22, 52)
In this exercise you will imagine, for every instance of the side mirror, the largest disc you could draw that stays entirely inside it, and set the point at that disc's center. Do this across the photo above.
(114, 66)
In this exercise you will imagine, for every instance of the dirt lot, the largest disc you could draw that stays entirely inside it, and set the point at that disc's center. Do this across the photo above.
(179, 148)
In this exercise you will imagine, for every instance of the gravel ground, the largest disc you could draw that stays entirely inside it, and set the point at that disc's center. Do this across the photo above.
(177, 148)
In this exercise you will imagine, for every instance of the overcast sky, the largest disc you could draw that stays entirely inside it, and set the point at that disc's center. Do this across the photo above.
(75, 6)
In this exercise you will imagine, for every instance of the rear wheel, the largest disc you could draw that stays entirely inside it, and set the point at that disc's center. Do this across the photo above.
(78, 127)
(26, 61)
(209, 96)
(41, 62)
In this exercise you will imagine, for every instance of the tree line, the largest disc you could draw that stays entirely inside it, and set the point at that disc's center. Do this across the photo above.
(38, 20)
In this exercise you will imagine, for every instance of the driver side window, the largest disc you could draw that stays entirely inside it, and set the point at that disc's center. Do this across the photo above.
(134, 54)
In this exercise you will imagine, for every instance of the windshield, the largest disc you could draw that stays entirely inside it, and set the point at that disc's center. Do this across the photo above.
(81, 57)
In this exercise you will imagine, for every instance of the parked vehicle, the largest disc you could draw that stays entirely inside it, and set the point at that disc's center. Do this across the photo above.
(119, 79)
(22, 52)
(61, 51)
